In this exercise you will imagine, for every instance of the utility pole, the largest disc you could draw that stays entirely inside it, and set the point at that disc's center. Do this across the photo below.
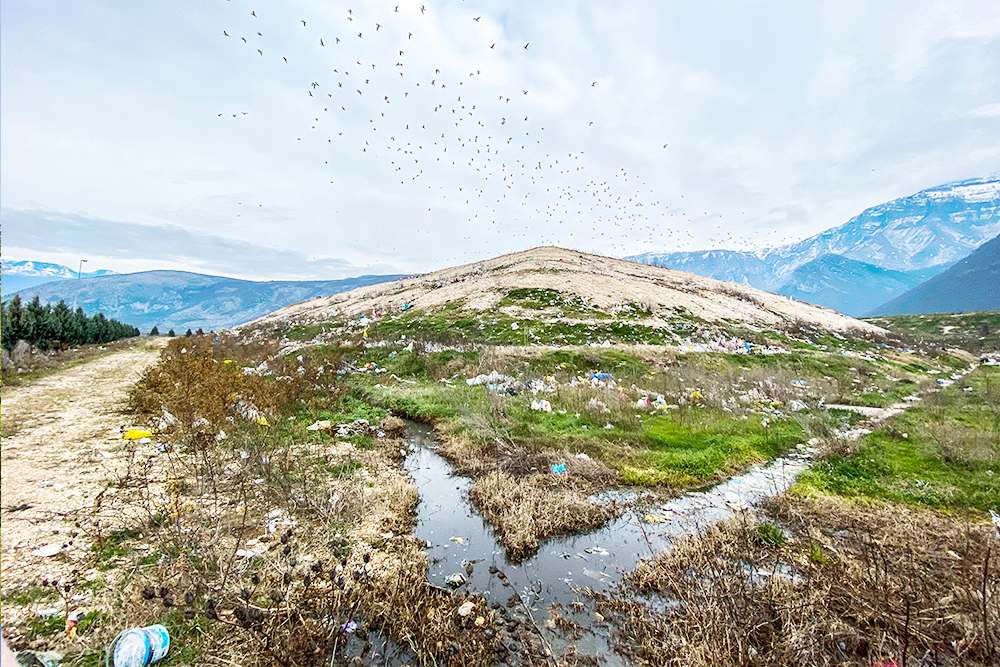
(79, 272)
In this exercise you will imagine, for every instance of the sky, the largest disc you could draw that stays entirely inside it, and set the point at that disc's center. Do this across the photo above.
(272, 139)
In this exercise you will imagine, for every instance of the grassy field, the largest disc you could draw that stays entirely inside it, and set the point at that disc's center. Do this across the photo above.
(971, 331)
(944, 452)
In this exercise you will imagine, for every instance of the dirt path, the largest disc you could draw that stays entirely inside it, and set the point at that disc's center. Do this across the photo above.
(61, 443)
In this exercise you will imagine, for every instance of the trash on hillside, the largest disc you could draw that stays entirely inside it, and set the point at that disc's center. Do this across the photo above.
(458, 540)
(48, 550)
(349, 627)
(466, 608)
(321, 425)
(583, 456)
(139, 647)
(558, 468)
(490, 378)
(136, 434)
(72, 621)
(43, 658)
(602, 377)
(652, 518)
(455, 580)
(542, 405)
(595, 406)
(262, 421)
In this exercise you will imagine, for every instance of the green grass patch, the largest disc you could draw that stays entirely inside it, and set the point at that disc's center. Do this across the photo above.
(712, 445)
(971, 331)
(944, 452)
(29, 595)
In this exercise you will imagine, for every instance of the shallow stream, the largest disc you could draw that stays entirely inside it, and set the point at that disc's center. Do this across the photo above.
(459, 541)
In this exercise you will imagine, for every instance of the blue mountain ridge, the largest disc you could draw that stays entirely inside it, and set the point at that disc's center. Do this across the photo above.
(181, 300)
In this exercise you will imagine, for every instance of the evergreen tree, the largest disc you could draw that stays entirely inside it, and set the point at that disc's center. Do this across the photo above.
(171, 333)
(199, 332)
(155, 331)
(12, 323)
(189, 334)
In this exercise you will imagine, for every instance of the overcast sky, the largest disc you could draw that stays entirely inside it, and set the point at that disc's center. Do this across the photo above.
(222, 136)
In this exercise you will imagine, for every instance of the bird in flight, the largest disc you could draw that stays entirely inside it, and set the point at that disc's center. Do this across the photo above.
(477, 19)
(377, 26)
(225, 33)
(303, 24)
(396, 9)
(493, 44)
(321, 42)
(253, 13)
(260, 52)
(526, 45)
(422, 9)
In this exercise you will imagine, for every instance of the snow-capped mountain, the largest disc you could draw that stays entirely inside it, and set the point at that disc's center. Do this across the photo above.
(932, 228)
(17, 275)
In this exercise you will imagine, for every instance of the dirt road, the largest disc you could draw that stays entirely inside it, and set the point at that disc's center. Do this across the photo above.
(61, 443)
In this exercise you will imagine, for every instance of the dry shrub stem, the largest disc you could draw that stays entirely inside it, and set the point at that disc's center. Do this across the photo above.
(853, 586)
(529, 509)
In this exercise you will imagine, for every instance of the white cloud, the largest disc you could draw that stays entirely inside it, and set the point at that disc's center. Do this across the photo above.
(815, 111)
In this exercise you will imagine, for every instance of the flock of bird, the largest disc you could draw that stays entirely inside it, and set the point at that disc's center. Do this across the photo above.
(452, 132)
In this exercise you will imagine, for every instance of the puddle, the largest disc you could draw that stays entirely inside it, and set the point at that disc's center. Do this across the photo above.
(566, 564)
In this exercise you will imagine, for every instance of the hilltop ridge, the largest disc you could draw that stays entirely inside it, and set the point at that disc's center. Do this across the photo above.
(602, 287)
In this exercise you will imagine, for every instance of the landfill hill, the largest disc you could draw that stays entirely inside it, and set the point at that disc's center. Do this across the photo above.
(566, 295)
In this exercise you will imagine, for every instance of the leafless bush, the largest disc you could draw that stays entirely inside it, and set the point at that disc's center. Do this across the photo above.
(852, 585)
(528, 509)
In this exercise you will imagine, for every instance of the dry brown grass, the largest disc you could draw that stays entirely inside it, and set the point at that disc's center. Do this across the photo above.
(854, 585)
(526, 510)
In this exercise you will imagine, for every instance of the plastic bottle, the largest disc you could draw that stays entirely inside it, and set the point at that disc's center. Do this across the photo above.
(140, 647)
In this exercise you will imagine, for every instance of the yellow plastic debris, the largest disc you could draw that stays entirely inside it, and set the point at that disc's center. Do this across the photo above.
(262, 421)
(651, 518)
(134, 434)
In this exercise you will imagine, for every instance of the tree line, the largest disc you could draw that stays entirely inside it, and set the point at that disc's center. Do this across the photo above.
(48, 326)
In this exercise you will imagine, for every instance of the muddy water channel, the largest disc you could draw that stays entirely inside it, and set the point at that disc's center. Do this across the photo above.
(460, 542)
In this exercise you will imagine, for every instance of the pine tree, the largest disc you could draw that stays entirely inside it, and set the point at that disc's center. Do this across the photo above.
(189, 333)
(171, 333)
(155, 331)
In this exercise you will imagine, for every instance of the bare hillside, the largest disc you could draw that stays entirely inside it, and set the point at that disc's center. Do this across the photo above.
(604, 283)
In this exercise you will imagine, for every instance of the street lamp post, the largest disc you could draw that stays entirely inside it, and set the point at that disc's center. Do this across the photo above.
(79, 272)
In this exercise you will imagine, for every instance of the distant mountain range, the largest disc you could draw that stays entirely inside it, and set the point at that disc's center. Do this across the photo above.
(971, 284)
(18, 275)
(180, 300)
(849, 286)
(925, 232)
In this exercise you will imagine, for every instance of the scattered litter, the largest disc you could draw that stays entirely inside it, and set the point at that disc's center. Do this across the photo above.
(542, 405)
(458, 540)
(609, 427)
(135, 434)
(247, 553)
(349, 627)
(583, 456)
(48, 550)
(455, 580)
(558, 468)
(321, 425)
(490, 378)
(139, 647)
(38, 658)
(466, 608)
(600, 551)
(652, 518)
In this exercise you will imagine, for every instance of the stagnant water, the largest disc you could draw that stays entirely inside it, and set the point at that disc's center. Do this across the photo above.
(459, 541)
